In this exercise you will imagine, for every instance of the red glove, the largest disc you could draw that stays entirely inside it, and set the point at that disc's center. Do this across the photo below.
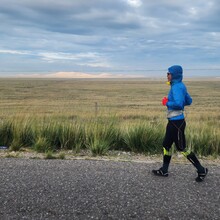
(164, 101)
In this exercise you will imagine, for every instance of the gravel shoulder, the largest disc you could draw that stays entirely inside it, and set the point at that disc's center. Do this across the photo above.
(111, 156)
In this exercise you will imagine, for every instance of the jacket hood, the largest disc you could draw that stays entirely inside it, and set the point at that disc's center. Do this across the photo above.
(177, 73)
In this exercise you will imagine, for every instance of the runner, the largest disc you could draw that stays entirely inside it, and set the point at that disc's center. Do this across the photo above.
(178, 97)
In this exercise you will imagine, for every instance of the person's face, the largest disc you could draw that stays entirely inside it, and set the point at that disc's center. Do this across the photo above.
(169, 77)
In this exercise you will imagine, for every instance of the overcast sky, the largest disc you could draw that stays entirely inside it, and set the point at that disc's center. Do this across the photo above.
(109, 38)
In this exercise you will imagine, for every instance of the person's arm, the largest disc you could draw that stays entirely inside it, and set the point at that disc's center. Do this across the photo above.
(178, 99)
(188, 99)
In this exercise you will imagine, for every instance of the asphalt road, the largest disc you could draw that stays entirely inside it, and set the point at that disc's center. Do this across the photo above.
(85, 189)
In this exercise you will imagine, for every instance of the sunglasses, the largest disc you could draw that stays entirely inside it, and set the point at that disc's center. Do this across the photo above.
(168, 74)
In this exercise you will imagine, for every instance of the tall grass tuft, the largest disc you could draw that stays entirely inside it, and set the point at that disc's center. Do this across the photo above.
(72, 136)
(17, 134)
(24, 134)
(143, 138)
(41, 145)
(101, 136)
(16, 145)
(63, 135)
(50, 133)
(204, 140)
(6, 133)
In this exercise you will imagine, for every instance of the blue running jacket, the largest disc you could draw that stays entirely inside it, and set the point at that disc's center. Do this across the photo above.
(178, 96)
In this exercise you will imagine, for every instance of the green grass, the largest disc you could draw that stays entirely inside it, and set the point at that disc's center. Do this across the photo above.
(41, 145)
(101, 136)
(50, 115)
(144, 138)
(49, 155)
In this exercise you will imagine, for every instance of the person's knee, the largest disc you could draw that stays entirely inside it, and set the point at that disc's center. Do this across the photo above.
(186, 152)
(167, 152)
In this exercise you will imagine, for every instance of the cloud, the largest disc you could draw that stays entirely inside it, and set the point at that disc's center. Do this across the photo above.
(134, 3)
(76, 75)
(87, 17)
(81, 59)
(104, 36)
(14, 52)
(67, 56)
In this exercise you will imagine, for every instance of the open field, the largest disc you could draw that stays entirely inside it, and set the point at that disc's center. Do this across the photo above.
(128, 99)
(126, 110)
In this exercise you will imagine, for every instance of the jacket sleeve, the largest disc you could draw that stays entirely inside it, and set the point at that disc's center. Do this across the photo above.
(188, 99)
(178, 99)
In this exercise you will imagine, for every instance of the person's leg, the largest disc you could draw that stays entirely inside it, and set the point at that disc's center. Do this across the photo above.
(202, 171)
(167, 152)
(180, 143)
(163, 171)
(193, 159)
(179, 134)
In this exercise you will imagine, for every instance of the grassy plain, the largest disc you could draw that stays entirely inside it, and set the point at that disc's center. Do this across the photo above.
(115, 113)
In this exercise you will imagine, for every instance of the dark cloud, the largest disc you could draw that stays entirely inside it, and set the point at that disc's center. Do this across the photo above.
(70, 16)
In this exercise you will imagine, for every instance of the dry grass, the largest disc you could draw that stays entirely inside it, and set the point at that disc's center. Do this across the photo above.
(126, 99)
(126, 102)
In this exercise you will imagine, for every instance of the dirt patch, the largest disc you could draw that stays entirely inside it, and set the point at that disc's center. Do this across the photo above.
(111, 155)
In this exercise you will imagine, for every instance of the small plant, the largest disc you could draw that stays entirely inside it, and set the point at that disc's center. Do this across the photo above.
(61, 156)
(50, 132)
(49, 155)
(101, 137)
(26, 135)
(204, 141)
(6, 133)
(16, 145)
(72, 136)
(42, 145)
(99, 147)
(143, 138)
